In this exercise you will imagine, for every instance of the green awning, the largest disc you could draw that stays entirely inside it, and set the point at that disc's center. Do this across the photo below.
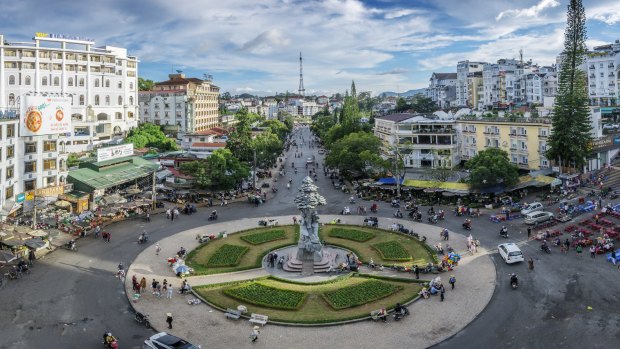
(107, 174)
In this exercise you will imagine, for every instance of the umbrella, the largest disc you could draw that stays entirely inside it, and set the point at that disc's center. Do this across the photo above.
(35, 243)
(182, 269)
(6, 256)
(62, 203)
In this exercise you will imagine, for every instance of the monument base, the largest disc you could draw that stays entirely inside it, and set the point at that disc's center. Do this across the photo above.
(309, 264)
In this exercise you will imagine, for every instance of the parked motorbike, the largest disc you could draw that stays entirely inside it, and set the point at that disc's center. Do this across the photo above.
(143, 319)
(71, 245)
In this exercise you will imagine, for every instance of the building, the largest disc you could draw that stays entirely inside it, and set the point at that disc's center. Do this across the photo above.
(494, 83)
(603, 69)
(442, 89)
(193, 104)
(302, 108)
(423, 142)
(202, 144)
(9, 165)
(101, 83)
(525, 140)
(475, 90)
(465, 70)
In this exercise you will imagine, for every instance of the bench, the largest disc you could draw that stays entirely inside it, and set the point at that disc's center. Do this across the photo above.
(233, 314)
(259, 319)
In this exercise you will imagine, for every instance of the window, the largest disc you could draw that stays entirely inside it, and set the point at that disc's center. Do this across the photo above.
(49, 164)
(120, 100)
(30, 166)
(120, 84)
(81, 99)
(11, 79)
(119, 116)
(70, 82)
(30, 185)
(81, 82)
(56, 81)
(49, 145)
(130, 115)
(11, 99)
(107, 100)
(30, 148)
(44, 81)
(10, 131)
(96, 82)
(9, 191)
(130, 100)
(10, 152)
(27, 80)
(96, 99)
(131, 85)
(10, 171)
(107, 82)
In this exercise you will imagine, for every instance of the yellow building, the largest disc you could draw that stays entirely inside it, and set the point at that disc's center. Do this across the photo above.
(525, 140)
(474, 90)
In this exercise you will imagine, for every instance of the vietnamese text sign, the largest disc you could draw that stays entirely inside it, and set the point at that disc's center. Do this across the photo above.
(115, 152)
(45, 116)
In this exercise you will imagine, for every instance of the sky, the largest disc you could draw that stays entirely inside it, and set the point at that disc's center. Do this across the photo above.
(253, 46)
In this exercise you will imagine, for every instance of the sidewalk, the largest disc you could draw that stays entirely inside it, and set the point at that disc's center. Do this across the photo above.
(431, 321)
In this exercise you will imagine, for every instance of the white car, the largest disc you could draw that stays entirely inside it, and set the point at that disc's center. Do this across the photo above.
(538, 217)
(163, 340)
(533, 207)
(510, 252)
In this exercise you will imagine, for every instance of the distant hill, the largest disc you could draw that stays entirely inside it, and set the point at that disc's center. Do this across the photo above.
(409, 93)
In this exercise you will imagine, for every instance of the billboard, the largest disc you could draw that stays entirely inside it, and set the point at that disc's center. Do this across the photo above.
(115, 152)
(45, 116)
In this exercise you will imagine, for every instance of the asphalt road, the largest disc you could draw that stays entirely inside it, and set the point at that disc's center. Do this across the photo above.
(71, 298)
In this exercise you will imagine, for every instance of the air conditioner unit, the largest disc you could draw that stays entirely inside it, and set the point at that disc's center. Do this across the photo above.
(49, 173)
(29, 157)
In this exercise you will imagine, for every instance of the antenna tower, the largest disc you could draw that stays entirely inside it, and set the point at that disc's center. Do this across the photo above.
(302, 90)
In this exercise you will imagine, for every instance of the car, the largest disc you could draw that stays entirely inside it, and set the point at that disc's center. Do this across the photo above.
(611, 127)
(163, 340)
(510, 252)
(321, 151)
(310, 161)
(538, 217)
(533, 207)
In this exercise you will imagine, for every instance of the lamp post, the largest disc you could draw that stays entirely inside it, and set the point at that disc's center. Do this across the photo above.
(254, 172)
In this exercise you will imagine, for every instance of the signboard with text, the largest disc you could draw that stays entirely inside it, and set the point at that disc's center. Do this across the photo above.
(605, 143)
(45, 116)
(115, 152)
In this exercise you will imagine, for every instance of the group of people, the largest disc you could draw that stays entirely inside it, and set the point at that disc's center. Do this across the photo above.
(171, 214)
(272, 259)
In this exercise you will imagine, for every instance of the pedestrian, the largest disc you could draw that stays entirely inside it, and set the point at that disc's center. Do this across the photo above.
(613, 256)
(169, 320)
(108, 236)
(529, 232)
(172, 217)
(447, 235)
(148, 216)
(168, 214)
(170, 289)
(442, 290)
(294, 220)
(142, 284)
(154, 286)
(31, 257)
(158, 289)
(157, 249)
(254, 334)
(530, 264)
(579, 250)
(452, 281)
(592, 252)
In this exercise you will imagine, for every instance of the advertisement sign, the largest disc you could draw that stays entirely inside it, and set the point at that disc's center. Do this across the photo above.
(44, 116)
(20, 197)
(115, 152)
(605, 143)
(50, 191)
(62, 36)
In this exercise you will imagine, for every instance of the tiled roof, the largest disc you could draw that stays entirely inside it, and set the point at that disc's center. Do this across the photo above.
(209, 145)
(445, 76)
(177, 81)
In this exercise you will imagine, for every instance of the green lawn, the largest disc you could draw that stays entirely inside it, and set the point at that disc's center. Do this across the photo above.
(260, 294)
(264, 236)
(420, 255)
(199, 258)
(380, 293)
(392, 251)
(351, 234)
(363, 293)
(227, 256)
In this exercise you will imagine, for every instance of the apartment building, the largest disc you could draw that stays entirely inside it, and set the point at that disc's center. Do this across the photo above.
(603, 69)
(187, 105)
(465, 70)
(422, 141)
(494, 83)
(101, 83)
(442, 89)
(9, 163)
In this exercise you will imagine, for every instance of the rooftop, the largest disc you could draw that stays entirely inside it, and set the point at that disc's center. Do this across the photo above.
(109, 173)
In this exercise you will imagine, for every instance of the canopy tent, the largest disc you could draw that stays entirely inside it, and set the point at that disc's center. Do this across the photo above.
(389, 180)
(532, 181)
(7, 256)
(62, 204)
(35, 243)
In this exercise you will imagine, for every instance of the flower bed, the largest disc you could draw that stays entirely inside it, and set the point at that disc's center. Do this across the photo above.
(392, 250)
(227, 256)
(259, 294)
(264, 236)
(365, 292)
(351, 234)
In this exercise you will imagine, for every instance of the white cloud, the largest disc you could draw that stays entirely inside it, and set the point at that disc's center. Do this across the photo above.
(395, 71)
(533, 11)
(608, 13)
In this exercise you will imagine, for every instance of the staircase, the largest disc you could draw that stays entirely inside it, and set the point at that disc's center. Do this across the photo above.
(611, 179)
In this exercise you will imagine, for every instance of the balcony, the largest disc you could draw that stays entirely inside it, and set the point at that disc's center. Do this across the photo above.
(591, 66)
(543, 136)
(523, 165)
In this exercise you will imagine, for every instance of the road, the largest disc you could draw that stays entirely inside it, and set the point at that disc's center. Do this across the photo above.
(71, 298)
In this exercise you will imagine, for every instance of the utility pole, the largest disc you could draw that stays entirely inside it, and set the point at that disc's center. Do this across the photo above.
(153, 196)
(254, 173)
(34, 214)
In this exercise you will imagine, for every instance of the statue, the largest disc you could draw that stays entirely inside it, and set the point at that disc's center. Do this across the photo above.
(309, 245)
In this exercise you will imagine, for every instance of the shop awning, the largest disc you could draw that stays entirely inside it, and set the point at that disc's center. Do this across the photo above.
(389, 180)
(110, 173)
(441, 186)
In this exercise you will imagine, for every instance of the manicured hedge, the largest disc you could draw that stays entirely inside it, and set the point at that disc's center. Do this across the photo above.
(227, 256)
(392, 250)
(365, 292)
(264, 236)
(351, 234)
(259, 294)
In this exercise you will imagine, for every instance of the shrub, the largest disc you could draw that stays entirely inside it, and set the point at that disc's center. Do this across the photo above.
(351, 234)
(227, 256)
(259, 294)
(265, 236)
(392, 250)
(365, 292)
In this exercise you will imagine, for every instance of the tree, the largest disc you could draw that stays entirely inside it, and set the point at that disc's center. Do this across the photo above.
(491, 167)
(225, 170)
(151, 136)
(570, 141)
(145, 85)
(423, 104)
(277, 127)
(354, 154)
(198, 170)
(401, 105)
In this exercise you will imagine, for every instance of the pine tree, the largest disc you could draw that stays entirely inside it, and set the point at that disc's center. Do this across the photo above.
(570, 142)
(353, 91)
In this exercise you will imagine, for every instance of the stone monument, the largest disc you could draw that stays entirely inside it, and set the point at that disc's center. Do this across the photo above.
(309, 247)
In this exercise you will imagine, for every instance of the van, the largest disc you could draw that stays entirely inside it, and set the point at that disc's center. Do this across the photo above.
(533, 207)
(510, 252)
(538, 217)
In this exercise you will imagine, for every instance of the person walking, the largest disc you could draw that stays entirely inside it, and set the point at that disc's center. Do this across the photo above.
(442, 291)
(169, 294)
(254, 334)
(108, 236)
(579, 250)
(416, 271)
(169, 320)
(142, 284)
(452, 281)
(530, 264)
(592, 252)
(157, 249)
(529, 232)
(168, 213)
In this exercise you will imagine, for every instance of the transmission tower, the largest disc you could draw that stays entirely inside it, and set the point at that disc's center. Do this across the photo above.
(301, 90)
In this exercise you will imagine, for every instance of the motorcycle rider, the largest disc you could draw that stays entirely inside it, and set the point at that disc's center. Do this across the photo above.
(400, 311)
(398, 214)
(109, 340)
(467, 224)
(513, 279)
(213, 214)
(544, 246)
(504, 231)
(143, 237)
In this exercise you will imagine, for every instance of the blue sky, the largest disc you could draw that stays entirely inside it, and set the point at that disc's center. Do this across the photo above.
(253, 46)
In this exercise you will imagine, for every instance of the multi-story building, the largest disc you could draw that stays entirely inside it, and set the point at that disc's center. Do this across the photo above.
(301, 108)
(525, 140)
(494, 82)
(603, 69)
(189, 103)
(464, 71)
(442, 89)
(423, 142)
(9, 164)
(475, 90)
(550, 84)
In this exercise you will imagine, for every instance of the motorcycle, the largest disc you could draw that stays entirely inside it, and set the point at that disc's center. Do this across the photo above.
(109, 341)
(213, 216)
(275, 190)
(432, 219)
(143, 319)
(514, 281)
(503, 232)
(398, 214)
(467, 226)
(401, 313)
(71, 245)
(545, 248)
(351, 200)
(143, 238)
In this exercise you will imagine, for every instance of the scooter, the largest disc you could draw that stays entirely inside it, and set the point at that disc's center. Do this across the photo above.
(432, 219)
(143, 238)
(514, 281)
(143, 319)
(467, 226)
(545, 248)
(503, 233)
(401, 314)
(71, 245)
(213, 216)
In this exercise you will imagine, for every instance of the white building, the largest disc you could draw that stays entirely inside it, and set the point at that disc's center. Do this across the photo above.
(170, 109)
(300, 107)
(603, 69)
(494, 83)
(442, 89)
(464, 70)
